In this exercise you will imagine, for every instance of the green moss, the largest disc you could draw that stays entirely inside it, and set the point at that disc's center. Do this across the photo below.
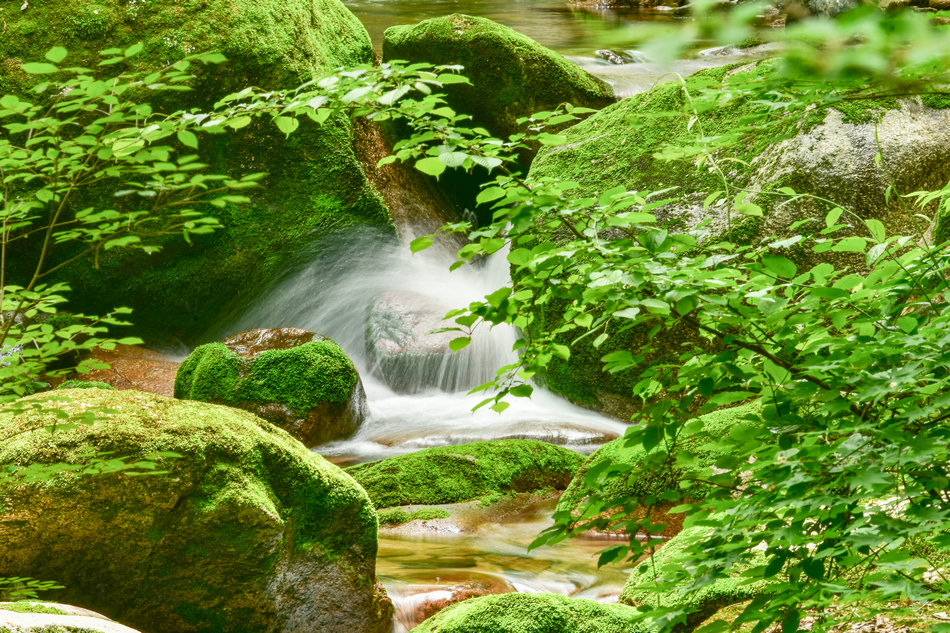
(85, 384)
(301, 377)
(241, 499)
(315, 184)
(30, 607)
(453, 474)
(532, 613)
(398, 516)
(621, 145)
(701, 601)
(641, 482)
(511, 74)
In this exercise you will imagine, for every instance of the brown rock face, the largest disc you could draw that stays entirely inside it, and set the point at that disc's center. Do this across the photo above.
(132, 367)
(250, 343)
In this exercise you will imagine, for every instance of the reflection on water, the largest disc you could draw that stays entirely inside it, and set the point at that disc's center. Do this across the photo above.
(555, 24)
(424, 572)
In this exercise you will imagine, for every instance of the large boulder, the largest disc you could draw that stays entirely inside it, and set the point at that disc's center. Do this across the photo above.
(828, 154)
(532, 613)
(639, 478)
(479, 470)
(315, 184)
(244, 531)
(512, 75)
(300, 381)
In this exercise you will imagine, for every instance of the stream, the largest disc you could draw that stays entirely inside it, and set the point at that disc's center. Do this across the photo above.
(356, 286)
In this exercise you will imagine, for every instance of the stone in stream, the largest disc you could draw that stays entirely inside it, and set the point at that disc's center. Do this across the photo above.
(481, 470)
(407, 355)
(640, 480)
(300, 381)
(314, 185)
(46, 617)
(532, 613)
(511, 74)
(241, 530)
(825, 153)
(133, 367)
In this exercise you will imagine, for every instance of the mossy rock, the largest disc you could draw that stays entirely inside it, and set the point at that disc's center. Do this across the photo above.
(300, 381)
(85, 384)
(47, 617)
(399, 516)
(511, 74)
(315, 184)
(479, 470)
(532, 613)
(701, 602)
(827, 153)
(642, 483)
(245, 531)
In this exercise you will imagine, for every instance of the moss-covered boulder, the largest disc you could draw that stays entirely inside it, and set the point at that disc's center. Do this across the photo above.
(244, 531)
(85, 384)
(827, 153)
(702, 601)
(532, 613)
(511, 74)
(639, 482)
(300, 381)
(46, 617)
(315, 183)
(479, 470)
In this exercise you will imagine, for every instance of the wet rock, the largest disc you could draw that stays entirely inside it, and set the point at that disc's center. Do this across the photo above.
(532, 613)
(480, 470)
(132, 367)
(611, 56)
(405, 352)
(421, 602)
(243, 531)
(301, 381)
(43, 617)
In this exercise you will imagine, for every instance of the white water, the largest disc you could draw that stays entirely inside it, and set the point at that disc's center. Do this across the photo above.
(334, 294)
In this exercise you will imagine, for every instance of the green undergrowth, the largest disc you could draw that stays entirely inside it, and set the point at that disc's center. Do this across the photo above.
(301, 377)
(645, 482)
(532, 613)
(702, 601)
(478, 471)
(315, 184)
(398, 516)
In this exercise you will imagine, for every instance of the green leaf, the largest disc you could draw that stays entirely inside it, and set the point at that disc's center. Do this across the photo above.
(876, 228)
(421, 243)
(188, 138)
(490, 194)
(780, 266)
(459, 343)
(133, 50)
(39, 68)
(56, 54)
(850, 245)
(287, 124)
(500, 406)
(546, 138)
(430, 165)
(907, 324)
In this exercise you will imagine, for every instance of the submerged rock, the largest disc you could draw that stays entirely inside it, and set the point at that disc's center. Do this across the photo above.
(511, 74)
(405, 352)
(480, 470)
(242, 530)
(300, 381)
(532, 613)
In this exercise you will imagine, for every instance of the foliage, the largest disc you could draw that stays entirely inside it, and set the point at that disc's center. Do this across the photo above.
(17, 588)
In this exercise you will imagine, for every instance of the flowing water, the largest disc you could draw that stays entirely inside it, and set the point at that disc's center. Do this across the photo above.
(366, 291)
